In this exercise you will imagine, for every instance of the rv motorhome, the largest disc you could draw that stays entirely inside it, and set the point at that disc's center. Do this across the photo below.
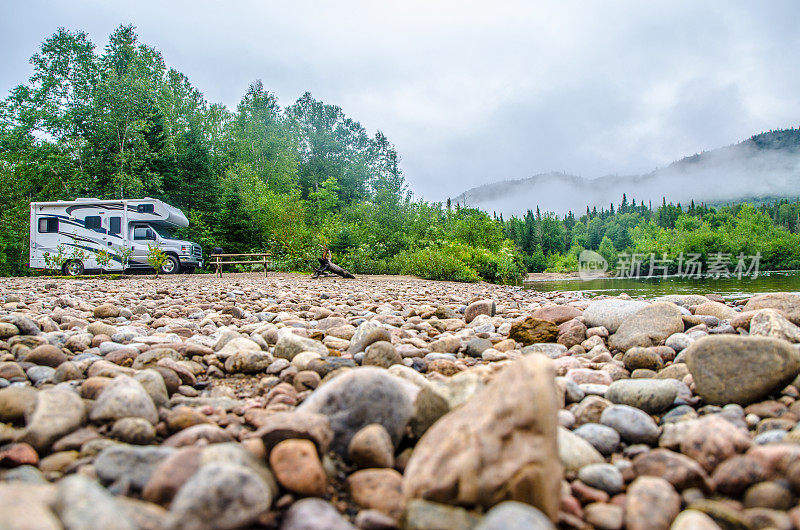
(80, 230)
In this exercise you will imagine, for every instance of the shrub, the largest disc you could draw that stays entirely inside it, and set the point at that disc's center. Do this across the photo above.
(536, 262)
(156, 257)
(365, 259)
(103, 259)
(439, 260)
(562, 262)
(434, 264)
(54, 262)
(503, 266)
(125, 255)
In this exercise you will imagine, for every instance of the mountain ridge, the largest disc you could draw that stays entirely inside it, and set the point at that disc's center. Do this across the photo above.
(764, 165)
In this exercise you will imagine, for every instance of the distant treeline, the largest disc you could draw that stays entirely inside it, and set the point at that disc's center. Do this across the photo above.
(667, 230)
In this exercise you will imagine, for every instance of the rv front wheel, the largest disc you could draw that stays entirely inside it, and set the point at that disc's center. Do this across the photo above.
(73, 267)
(171, 265)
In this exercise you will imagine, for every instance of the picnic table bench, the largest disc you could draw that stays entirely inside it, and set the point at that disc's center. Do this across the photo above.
(218, 260)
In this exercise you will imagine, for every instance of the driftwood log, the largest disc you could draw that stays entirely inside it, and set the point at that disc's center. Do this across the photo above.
(326, 267)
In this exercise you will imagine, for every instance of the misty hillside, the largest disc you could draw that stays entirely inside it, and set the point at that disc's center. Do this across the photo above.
(765, 165)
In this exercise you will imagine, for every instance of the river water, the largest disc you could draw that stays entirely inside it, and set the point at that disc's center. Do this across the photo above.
(731, 288)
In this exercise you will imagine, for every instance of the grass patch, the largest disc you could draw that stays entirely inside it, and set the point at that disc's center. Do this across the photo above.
(90, 277)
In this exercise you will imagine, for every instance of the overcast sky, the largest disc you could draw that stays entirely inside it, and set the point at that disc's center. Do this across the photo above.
(475, 92)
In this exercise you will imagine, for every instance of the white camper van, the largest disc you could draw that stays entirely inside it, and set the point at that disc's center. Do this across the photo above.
(86, 227)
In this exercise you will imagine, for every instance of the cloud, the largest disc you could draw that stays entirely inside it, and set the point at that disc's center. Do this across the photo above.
(475, 92)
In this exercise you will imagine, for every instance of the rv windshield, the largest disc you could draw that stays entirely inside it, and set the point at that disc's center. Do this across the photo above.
(163, 232)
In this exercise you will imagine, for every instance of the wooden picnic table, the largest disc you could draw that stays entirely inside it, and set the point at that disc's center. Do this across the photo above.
(225, 259)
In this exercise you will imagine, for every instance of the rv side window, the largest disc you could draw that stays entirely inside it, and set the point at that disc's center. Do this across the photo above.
(142, 233)
(146, 208)
(115, 225)
(92, 222)
(48, 225)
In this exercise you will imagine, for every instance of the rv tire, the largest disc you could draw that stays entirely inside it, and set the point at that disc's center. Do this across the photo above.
(171, 265)
(73, 267)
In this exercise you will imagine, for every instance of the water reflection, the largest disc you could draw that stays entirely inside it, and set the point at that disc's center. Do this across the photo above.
(732, 288)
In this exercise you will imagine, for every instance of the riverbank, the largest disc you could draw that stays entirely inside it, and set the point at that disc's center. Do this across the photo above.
(548, 276)
(286, 402)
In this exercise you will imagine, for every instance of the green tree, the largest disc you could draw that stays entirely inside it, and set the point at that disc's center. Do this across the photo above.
(330, 145)
(260, 139)
(235, 223)
(325, 198)
(608, 251)
(536, 262)
(595, 232)
(553, 235)
(192, 185)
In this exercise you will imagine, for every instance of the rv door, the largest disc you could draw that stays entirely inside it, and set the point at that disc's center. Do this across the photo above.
(114, 239)
(142, 236)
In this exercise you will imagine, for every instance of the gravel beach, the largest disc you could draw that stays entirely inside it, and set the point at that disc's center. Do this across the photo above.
(192, 402)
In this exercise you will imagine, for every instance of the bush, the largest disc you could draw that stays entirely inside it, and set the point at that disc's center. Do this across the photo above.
(434, 264)
(562, 262)
(439, 260)
(536, 262)
(503, 266)
(364, 260)
(103, 259)
(54, 262)
(156, 257)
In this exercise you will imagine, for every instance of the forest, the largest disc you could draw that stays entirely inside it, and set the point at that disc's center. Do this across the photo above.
(768, 228)
(117, 122)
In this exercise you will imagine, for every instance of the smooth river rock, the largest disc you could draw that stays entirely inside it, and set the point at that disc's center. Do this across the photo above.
(649, 326)
(784, 302)
(632, 424)
(130, 464)
(533, 331)
(360, 397)
(219, 496)
(575, 452)
(58, 412)
(506, 448)
(314, 514)
(512, 515)
(733, 369)
(366, 334)
(289, 345)
(610, 313)
(651, 503)
(124, 397)
(82, 504)
(770, 323)
(715, 309)
(650, 395)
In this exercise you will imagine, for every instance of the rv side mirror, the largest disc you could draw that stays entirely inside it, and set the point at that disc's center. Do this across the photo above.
(151, 234)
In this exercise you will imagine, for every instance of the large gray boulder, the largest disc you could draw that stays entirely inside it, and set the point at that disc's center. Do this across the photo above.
(360, 397)
(610, 313)
(650, 326)
(732, 369)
